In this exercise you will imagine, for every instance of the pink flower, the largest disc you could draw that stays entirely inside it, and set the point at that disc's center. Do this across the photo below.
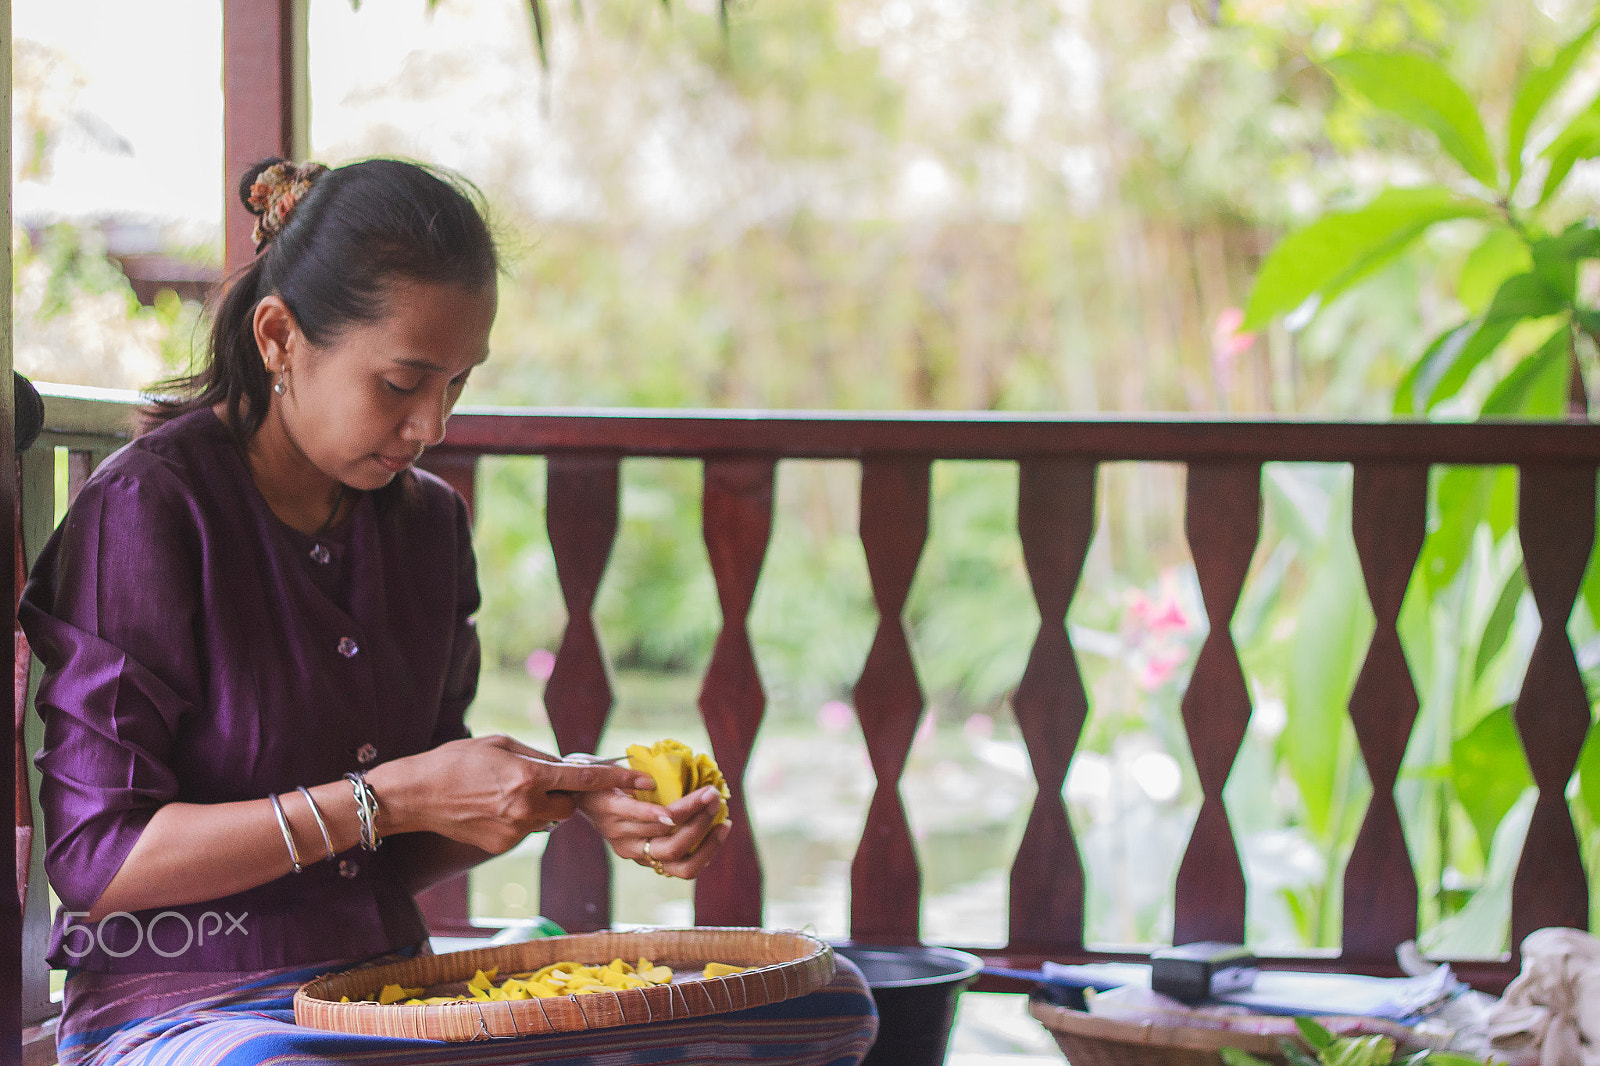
(1159, 617)
(1227, 343)
(1159, 668)
(1170, 617)
(979, 727)
(835, 716)
(541, 664)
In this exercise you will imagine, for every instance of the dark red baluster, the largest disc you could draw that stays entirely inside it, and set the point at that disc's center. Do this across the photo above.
(737, 524)
(1556, 526)
(1223, 522)
(458, 469)
(581, 514)
(1055, 519)
(80, 464)
(1388, 521)
(885, 883)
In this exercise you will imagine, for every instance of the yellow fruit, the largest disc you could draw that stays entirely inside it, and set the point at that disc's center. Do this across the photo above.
(720, 969)
(677, 771)
(556, 979)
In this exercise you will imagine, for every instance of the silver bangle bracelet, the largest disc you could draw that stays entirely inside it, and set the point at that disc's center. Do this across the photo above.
(366, 810)
(283, 827)
(317, 814)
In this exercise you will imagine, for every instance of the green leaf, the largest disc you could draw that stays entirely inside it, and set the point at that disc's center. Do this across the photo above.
(1580, 140)
(1340, 248)
(1412, 394)
(1525, 296)
(536, 13)
(1423, 93)
(1315, 1034)
(1578, 241)
(1295, 1056)
(1500, 254)
(1371, 1050)
(1498, 626)
(1234, 1057)
(1462, 497)
(1589, 776)
(1325, 654)
(1555, 259)
(1483, 926)
(1489, 772)
(1591, 582)
(1522, 297)
(1535, 90)
(1537, 386)
(1588, 319)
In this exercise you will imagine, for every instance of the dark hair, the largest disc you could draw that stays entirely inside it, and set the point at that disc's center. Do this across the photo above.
(358, 230)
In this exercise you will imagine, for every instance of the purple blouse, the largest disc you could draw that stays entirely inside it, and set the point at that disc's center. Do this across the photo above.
(198, 649)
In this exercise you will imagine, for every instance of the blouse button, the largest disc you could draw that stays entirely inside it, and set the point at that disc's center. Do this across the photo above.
(348, 869)
(320, 554)
(348, 647)
(366, 753)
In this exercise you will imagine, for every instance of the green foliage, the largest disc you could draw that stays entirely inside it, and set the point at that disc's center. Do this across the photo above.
(76, 319)
(1420, 91)
(1322, 259)
(1528, 328)
(1536, 90)
(1370, 1050)
(1333, 253)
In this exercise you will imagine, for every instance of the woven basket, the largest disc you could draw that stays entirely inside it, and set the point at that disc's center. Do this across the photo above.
(1088, 1040)
(782, 965)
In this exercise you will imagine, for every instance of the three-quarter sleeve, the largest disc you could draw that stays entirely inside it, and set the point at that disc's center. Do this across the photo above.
(111, 613)
(461, 677)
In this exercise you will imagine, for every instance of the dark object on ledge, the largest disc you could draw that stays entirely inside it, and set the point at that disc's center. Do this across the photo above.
(1192, 972)
(915, 989)
(27, 410)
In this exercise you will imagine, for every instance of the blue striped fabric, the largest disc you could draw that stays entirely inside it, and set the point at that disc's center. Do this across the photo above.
(250, 1022)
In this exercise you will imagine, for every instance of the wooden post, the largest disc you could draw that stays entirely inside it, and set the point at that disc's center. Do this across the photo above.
(266, 104)
(10, 905)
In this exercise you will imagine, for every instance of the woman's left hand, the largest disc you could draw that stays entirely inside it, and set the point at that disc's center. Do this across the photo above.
(677, 840)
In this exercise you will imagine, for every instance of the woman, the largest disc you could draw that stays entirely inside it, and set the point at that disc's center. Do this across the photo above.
(256, 627)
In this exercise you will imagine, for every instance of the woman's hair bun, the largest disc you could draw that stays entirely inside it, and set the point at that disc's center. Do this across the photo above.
(251, 176)
(276, 187)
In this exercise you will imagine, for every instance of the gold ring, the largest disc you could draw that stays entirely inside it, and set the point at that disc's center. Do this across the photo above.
(655, 863)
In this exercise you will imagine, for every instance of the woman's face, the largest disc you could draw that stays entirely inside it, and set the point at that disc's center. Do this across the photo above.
(362, 407)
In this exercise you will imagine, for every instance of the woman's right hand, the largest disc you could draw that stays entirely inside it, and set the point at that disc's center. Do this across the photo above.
(489, 792)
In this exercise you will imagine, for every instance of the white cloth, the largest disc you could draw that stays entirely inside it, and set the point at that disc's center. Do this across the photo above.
(1552, 1008)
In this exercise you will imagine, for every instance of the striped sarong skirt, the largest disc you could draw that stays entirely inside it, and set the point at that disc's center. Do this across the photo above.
(247, 1019)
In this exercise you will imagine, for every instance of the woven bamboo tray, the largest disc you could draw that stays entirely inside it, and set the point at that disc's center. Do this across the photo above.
(782, 965)
(1088, 1040)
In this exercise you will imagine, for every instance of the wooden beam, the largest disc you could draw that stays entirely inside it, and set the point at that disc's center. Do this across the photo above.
(265, 102)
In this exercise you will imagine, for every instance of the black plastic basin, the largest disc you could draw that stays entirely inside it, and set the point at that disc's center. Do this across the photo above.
(915, 990)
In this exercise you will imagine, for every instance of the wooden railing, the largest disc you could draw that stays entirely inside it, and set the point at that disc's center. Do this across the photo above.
(89, 424)
(1058, 461)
